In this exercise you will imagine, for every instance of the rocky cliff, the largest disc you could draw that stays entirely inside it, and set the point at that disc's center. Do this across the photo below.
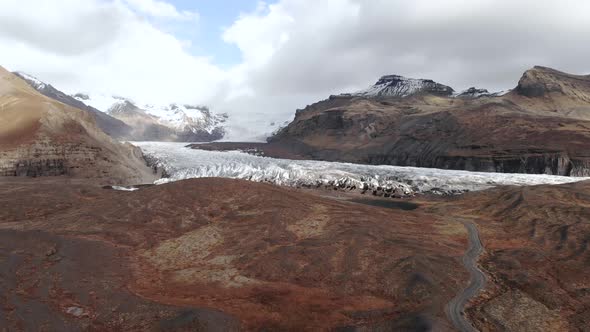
(541, 126)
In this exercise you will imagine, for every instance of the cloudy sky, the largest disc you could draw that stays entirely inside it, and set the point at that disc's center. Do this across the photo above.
(259, 61)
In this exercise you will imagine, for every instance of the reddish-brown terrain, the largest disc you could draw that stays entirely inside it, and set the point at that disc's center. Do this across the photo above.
(541, 126)
(226, 254)
(537, 256)
(267, 257)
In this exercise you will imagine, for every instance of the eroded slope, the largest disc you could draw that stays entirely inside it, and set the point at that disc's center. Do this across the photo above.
(42, 137)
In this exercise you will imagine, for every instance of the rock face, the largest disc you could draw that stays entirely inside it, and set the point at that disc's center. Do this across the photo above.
(42, 137)
(542, 126)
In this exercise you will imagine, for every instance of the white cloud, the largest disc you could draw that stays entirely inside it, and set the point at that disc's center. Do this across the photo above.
(91, 45)
(161, 9)
(260, 34)
(340, 44)
(294, 52)
(67, 27)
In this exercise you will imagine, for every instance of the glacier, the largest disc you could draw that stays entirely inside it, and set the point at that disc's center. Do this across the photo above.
(180, 162)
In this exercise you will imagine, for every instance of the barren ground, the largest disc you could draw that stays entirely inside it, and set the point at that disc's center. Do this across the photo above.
(228, 254)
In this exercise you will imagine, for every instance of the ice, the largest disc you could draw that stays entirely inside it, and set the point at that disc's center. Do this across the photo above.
(121, 188)
(183, 163)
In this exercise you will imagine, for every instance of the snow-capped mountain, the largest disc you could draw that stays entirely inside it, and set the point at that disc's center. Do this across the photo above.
(474, 92)
(187, 117)
(172, 122)
(399, 86)
(125, 119)
(395, 86)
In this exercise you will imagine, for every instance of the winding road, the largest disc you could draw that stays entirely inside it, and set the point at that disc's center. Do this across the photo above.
(455, 308)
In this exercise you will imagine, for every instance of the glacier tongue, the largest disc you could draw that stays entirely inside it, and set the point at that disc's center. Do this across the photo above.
(181, 163)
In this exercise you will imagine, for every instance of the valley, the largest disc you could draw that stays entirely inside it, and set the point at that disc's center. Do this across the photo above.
(100, 234)
(294, 165)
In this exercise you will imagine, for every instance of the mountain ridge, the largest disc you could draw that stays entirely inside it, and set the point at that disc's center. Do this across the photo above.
(111, 126)
(541, 126)
(40, 136)
(171, 122)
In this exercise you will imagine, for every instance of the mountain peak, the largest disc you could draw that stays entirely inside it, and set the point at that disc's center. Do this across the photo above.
(400, 86)
(123, 106)
(473, 92)
(542, 81)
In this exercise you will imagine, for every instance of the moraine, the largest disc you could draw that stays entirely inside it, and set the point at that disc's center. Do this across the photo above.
(181, 162)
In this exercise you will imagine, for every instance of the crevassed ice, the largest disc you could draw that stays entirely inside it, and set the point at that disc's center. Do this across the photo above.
(183, 163)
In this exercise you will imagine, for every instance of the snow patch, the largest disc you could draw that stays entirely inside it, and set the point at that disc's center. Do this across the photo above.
(37, 83)
(473, 93)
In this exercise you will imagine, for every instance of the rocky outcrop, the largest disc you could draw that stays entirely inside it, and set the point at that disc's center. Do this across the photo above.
(542, 126)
